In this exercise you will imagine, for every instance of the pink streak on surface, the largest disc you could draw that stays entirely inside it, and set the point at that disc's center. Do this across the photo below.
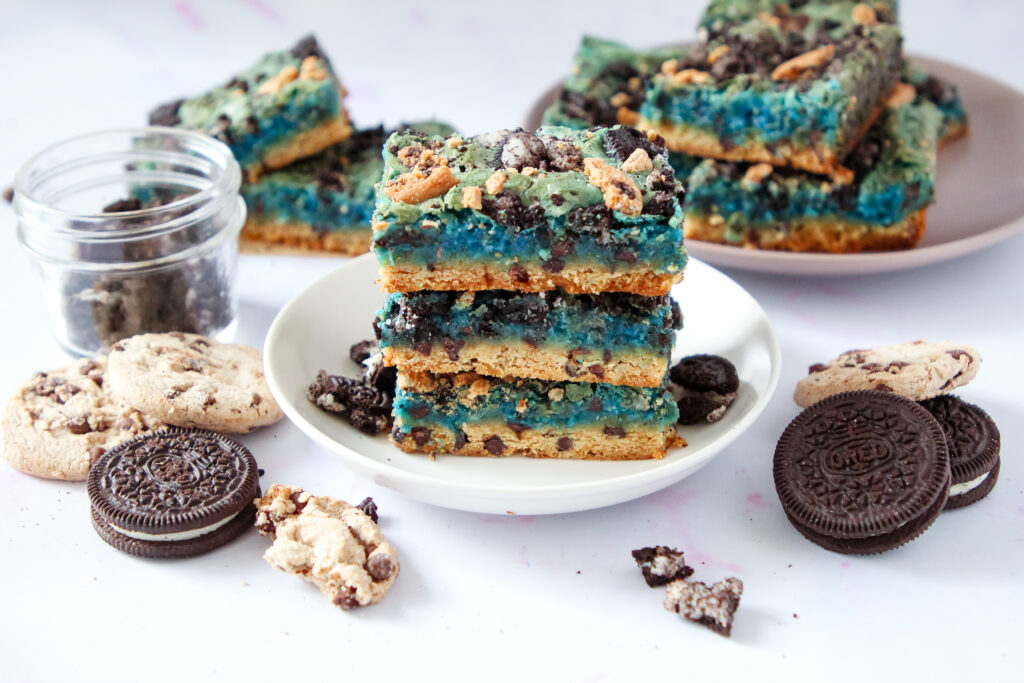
(844, 565)
(189, 14)
(757, 500)
(263, 8)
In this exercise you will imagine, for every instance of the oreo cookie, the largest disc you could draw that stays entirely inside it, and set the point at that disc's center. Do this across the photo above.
(708, 386)
(862, 472)
(973, 442)
(174, 493)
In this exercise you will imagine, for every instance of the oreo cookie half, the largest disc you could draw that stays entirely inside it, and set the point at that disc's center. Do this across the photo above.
(173, 493)
(862, 472)
(973, 442)
(708, 386)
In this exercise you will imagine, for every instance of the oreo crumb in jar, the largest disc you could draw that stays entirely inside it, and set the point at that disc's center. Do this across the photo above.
(191, 295)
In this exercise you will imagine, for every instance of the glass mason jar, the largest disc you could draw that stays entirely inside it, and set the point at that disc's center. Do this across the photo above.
(132, 230)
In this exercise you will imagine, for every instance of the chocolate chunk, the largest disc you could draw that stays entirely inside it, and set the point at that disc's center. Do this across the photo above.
(553, 265)
(452, 348)
(614, 431)
(494, 445)
(369, 508)
(78, 425)
(517, 427)
(460, 440)
(421, 435)
(564, 443)
(378, 566)
(8, 194)
(518, 273)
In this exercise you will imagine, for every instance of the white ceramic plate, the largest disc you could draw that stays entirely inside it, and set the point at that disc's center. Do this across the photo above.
(978, 195)
(316, 329)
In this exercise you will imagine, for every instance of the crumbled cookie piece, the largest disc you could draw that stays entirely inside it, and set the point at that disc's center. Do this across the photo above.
(620, 191)
(331, 544)
(792, 69)
(661, 564)
(712, 606)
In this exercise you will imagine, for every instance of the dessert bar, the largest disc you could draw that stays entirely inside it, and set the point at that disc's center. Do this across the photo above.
(323, 202)
(469, 414)
(606, 85)
(286, 106)
(614, 338)
(880, 205)
(584, 211)
(795, 87)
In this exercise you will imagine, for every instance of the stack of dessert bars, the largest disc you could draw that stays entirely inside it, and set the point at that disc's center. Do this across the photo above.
(307, 175)
(528, 278)
(795, 125)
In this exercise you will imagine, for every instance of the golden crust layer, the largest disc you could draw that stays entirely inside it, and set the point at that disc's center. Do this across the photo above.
(304, 144)
(582, 444)
(572, 279)
(521, 360)
(814, 235)
(297, 238)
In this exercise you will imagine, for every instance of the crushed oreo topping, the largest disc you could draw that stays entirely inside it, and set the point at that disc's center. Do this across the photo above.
(519, 150)
(166, 114)
(369, 508)
(621, 142)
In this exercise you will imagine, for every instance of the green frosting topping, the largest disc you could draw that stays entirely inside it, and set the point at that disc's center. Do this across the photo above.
(554, 181)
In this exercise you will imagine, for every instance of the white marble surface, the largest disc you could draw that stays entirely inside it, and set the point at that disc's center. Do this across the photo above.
(483, 597)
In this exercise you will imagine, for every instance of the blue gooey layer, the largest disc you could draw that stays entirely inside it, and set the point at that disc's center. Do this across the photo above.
(466, 236)
(897, 180)
(303, 112)
(558, 405)
(324, 209)
(612, 322)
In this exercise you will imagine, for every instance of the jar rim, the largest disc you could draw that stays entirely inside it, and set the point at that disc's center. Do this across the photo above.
(224, 185)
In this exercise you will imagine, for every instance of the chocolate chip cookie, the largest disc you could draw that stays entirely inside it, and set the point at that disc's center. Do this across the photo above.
(57, 421)
(918, 370)
(334, 545)
(188, 380)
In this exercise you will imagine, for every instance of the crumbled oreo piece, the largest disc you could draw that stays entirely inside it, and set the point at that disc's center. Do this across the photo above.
(621, 142)
(360, 352)
(661, 565)
(507, 209)
(367, 408)
(519, 150)
(712, 606)
(707, 386)
(562, 155)
(130, 204)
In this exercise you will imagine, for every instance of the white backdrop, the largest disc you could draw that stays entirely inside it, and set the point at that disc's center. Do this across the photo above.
(501, 598)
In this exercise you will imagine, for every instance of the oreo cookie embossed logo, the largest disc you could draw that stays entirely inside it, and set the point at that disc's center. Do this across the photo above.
(171, 468)
(858, 456)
